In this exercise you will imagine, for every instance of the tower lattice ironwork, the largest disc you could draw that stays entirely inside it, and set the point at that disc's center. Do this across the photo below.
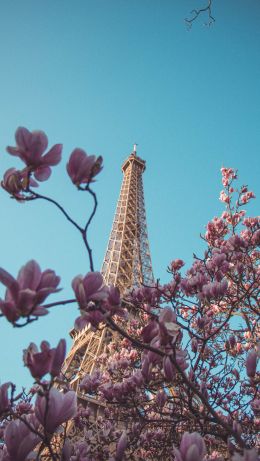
(127, 264)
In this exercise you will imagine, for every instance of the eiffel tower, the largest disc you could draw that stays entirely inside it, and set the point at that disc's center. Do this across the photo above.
(127, 264)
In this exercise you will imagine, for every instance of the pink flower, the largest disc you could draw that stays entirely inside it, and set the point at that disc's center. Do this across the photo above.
(161, 398)
(89, 288)
(192, 448)
(249, 455)
(24, 295)
(251, 362)
(90, 292)
(16, 182)
(246, 197)
(228, 174)
(47, 361)
(30, 147)
(59, 409)
(82, 168)
(168, 325)
(224, 197)
(256, 406)
(4, 401)
(121, 446)
(176, 264)
(20, 441)
(90, 383)
(168, 368)
(59, 354)
(214, 290)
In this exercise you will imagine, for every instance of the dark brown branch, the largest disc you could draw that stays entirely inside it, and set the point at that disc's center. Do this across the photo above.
(196, 13)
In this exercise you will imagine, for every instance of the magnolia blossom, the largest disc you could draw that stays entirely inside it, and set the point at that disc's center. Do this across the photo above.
(165, 330)
(30, 147)
(249, 455)
(224, 197)
(89, 288)
(96, 300)
(82, 168)
(24, 296)
(246, 197)
(4, 400)
(251, 362)
(16, 182)
(19, 440)
(228, 174)
(214, 290)
(55, 409)
(90, 383)
(176, 264)
(121, 446)
(47, 361)
(192, 448)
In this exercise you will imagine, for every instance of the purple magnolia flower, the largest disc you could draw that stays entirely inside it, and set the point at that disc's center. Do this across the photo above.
(161, 398)
(90, 383)
(24, 295)
(30, 147)
(19, 440)
(60, 408)
(251, 362)
(47, 361)
(168, 368)
(214, 290)
(4, 401)
(168, 325)
(89, 288)
(192, 448)
(82, 168)
(16, 182)
(249, 455)
(121, 446)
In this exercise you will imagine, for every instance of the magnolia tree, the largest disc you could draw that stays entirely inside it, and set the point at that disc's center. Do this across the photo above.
(178, 378)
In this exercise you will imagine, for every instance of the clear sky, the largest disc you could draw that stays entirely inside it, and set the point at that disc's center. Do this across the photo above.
(102, 75)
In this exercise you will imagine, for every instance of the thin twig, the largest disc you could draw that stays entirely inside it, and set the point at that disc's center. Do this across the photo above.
(197, 13)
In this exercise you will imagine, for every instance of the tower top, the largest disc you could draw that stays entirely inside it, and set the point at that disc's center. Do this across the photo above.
(133, 159)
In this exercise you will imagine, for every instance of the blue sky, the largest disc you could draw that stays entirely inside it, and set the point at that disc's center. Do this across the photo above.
(102, 75)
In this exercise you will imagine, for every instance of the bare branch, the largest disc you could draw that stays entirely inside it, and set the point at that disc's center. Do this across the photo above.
(196, 13)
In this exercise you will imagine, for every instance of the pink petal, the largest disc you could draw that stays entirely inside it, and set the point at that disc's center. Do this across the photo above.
(81, 322)
(74, 166)
(29, 275)
(92, 282)
(38, 144)
(13, 151)
(33, 183)
(9, 311)
(43, 293)
(69, 406)
(26, 301)
(42, 173)
(7, 279)
(58, 358)
(23, 137)
(49, 279)
(53, 157)
(39, 311)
